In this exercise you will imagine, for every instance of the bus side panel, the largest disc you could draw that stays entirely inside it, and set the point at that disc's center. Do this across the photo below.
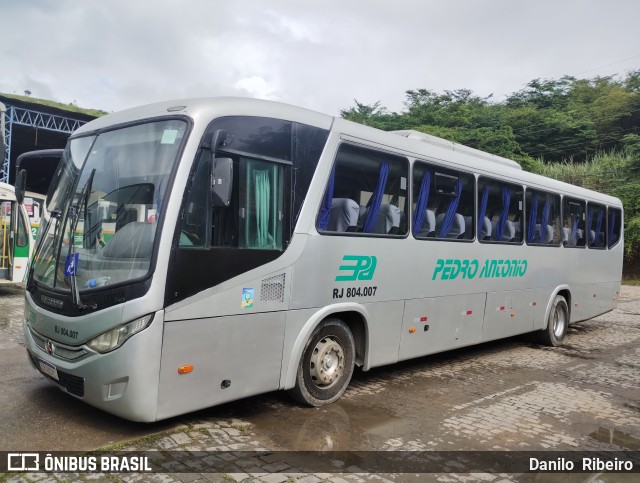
(508, 313)
(599, 298)
(384, 333)
(540, 304)
(232, 357)
(441, 323)
(383, 323)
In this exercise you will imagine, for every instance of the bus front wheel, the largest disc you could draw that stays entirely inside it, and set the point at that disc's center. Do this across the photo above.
(326, 366)
(557, 324)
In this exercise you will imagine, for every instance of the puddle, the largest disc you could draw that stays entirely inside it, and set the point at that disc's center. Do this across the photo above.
(337, 427)
(617, 438)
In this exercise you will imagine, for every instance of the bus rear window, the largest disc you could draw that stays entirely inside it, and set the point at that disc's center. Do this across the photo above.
(614, 226)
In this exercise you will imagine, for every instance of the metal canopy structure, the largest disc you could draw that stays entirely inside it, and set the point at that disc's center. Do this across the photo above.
(35, 124)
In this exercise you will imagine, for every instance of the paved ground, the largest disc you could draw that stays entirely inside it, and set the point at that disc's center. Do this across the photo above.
(511, 395)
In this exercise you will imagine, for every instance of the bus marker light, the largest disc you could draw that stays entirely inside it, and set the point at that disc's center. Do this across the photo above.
(469, 312)
(185, 369)
(412, 330)
(423, 319)
(501, 308)
(533, 304)
(513, 314)
(594, 295)
(18, 266)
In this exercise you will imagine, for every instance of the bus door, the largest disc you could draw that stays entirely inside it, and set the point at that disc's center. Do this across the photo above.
(15, 242)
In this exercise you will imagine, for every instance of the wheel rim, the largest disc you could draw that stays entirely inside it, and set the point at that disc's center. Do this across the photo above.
(559, 322)
(327, 362)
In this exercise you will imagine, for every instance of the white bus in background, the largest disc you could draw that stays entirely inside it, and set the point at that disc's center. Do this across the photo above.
(258, 246)
(35, 205)
(16, 244)
(39, 167)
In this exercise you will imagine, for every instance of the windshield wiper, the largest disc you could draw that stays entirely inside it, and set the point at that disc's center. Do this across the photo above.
(75, 214)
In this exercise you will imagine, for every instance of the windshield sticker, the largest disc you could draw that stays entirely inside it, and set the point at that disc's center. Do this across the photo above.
(71, 264)
(247, 298)
(169, 136)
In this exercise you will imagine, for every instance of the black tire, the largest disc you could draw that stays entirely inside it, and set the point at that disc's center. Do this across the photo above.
(557, 324)
(326, 366)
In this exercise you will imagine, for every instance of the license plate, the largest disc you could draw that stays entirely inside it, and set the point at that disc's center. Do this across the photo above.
(48, 369)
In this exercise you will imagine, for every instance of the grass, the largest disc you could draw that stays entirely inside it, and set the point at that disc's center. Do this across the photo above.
(58, 105)
(631, 281)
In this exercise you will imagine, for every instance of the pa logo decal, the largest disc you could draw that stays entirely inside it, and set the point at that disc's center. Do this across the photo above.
(361, 267)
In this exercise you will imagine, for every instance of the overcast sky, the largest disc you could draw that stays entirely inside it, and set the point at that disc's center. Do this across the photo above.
(115, 54)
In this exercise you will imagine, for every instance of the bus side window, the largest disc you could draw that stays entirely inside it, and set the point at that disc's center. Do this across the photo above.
(543, 218)
(614, 226)
(193, 232)
(596, 233)
(443, 201)
(573, 212)
(366, 193)
(500, 211)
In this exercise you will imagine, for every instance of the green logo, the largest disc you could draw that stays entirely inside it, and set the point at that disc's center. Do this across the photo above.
(362, 269)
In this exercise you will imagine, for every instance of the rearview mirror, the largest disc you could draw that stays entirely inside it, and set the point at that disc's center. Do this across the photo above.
(221, 181)
(20, 186)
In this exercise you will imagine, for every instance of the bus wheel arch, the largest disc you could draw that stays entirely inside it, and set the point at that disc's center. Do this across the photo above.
(358, 327)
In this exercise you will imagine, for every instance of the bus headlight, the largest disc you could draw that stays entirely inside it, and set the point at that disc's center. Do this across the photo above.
(115, 337)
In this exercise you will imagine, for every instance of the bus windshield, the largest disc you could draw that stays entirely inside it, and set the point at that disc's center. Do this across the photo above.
(105, 203)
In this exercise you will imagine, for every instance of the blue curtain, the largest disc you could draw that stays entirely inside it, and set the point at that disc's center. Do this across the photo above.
(376, 199)
(596, 240)
(325, 207)
(573, 238)
(589, 221)
(421, 204)
(483, 209)
(451, 212)
(533, 215)
(504, 214)
(545, 219)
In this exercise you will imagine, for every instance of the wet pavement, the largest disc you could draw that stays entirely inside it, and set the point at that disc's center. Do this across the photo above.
(511, 395)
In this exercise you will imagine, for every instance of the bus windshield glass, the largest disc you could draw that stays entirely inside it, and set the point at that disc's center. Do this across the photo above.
(106, 200)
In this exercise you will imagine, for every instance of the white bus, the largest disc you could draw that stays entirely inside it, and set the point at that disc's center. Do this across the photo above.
(16, 244)
(258, 246)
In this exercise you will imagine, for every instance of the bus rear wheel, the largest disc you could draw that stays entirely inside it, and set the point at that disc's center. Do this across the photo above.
(557, 324)
(327, 364)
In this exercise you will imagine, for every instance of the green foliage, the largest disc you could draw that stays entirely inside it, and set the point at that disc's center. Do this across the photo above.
(632, 237)
(553, 120)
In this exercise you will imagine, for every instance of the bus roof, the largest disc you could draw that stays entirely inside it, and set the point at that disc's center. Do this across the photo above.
(412, 143)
